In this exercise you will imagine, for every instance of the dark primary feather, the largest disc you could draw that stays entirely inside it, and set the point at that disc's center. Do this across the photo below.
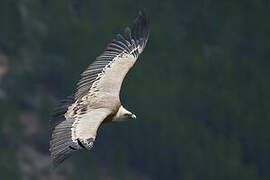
(130, 40)
(60, 110)
(61, 144)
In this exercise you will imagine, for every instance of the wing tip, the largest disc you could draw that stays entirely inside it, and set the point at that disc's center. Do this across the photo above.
(143, 16)
(141, 28)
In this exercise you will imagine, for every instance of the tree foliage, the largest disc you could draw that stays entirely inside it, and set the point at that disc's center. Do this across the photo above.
(200, 89)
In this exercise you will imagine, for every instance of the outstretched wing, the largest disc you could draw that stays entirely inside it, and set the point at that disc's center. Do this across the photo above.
(106, 74)
(75, 133)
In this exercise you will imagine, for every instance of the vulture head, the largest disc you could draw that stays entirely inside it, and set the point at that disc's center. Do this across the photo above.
(123, 115)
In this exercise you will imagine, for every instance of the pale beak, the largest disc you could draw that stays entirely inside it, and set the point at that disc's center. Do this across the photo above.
(133, 116)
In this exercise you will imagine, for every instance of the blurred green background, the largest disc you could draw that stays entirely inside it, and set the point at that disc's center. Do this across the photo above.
(200, 89)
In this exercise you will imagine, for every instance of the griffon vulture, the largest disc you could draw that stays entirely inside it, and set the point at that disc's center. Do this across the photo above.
(76, 119)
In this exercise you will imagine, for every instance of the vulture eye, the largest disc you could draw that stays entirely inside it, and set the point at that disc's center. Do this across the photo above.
(130, 116)
(127, 115)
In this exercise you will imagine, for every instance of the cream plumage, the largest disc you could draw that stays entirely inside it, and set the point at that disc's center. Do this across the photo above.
(76, 119)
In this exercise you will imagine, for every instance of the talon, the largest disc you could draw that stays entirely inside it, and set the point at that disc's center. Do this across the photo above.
(90, 142)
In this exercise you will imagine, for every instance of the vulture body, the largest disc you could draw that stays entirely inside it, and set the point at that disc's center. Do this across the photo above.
(76, 119)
